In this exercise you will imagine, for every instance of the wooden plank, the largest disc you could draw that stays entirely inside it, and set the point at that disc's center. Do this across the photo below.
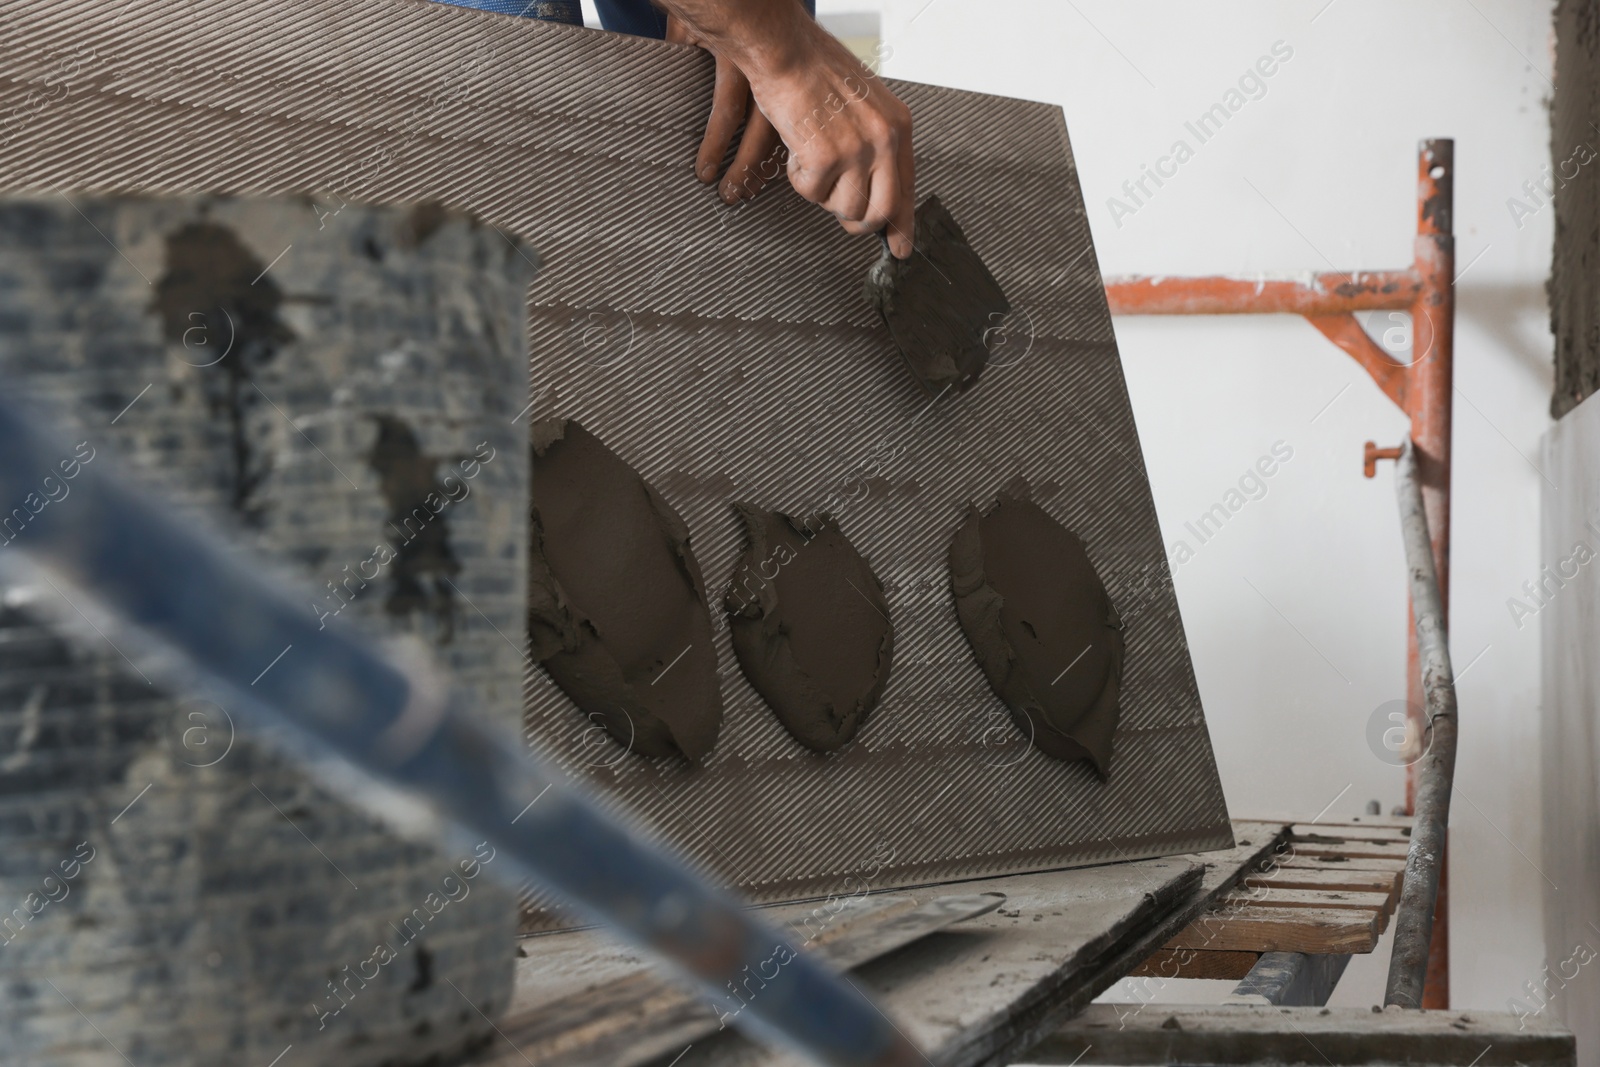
(963, 1002)
(1333, 876)
(1268, 929)
(642, 1016)
(1300, 898)
(1234, 1035)
(1348, 863)
(1351, 831)
(980, 992)
(1406, 821)
(1351, 850)
(1322, 832)
(964, 990)
(561, 964)
(1187, 963)
(1392, 822)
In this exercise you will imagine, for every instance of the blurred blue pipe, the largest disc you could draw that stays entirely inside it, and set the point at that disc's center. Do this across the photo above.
(210, 616)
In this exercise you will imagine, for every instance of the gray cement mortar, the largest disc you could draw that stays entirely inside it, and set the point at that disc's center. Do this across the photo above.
(1574, 286)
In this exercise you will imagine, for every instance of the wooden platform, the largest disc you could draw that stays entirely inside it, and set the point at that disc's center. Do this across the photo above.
(1329, 889)
(1016, 984)
(976, 993)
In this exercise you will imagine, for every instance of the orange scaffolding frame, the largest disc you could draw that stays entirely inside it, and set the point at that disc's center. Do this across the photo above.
(1421, 388)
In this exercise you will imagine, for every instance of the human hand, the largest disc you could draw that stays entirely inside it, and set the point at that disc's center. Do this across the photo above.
(760, 155)
(848, 137)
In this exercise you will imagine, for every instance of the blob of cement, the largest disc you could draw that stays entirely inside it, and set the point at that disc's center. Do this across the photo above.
(617, 608)
(1041, 626)
(810, 626)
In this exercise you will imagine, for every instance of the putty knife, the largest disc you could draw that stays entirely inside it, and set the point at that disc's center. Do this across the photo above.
(940, 304)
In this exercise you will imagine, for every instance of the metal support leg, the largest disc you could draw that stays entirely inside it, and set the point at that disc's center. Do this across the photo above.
(1423, 389)
(1290, 980)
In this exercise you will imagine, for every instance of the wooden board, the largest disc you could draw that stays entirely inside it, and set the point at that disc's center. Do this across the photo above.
(1315, 896)
(1300, 898)
(1321, 1037)
(1314, 832)
(1333, 876)
(641, 1016)
(962, 995)
(1390, 822)
(1340, 862)
(1269, 929)
(570, 963)
(971, 1004)
(1186, 963)
(1351, 850)
(964, 990)
(1255, 842)
(978, 993)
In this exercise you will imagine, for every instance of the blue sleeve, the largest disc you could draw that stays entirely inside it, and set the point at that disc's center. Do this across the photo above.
(643, 19)
(567, 11)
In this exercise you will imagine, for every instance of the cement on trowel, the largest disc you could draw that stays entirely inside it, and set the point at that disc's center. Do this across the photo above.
(616, 603)
(941, 304)
(1041, 626)
(810, 626)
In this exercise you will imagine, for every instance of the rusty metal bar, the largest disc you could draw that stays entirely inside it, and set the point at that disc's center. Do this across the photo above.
(1389, 373)
(1318, 294)
(1413, 921)
(1429, 394)
(1422, 389)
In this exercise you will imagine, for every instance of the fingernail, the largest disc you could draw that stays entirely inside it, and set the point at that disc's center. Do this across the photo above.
(707, 172)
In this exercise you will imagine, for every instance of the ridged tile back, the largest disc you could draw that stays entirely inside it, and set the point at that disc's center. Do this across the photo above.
(725, 354)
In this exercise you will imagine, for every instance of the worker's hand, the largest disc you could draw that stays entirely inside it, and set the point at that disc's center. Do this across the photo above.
(761, 154)
(848, 137)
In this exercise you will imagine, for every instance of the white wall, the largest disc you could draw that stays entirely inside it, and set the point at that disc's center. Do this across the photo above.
(1571, 684)
(1295, 612)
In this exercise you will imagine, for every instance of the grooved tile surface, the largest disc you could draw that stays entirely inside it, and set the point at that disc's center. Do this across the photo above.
(726, 354)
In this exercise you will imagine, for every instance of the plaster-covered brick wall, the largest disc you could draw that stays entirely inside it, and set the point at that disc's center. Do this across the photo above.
(322, 386)
(1574, 145)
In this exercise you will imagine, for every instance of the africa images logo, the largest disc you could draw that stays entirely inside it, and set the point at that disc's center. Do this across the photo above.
(1251, 86)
